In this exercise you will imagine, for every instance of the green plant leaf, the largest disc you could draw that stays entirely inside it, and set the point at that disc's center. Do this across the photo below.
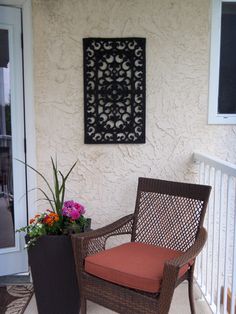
(48, 199)
(69, 172)
(42, 176)
(56, 187)
(58, 194)
(43, 199)
(62, 188)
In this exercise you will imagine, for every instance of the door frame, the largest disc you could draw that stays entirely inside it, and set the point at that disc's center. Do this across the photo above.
(26, 6)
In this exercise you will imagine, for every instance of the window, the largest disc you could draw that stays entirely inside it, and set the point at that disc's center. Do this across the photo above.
(222, 92)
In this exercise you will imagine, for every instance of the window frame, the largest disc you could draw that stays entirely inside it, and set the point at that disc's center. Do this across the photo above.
(213, 116)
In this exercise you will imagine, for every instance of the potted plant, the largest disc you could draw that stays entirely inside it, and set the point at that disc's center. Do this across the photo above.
(49, 248)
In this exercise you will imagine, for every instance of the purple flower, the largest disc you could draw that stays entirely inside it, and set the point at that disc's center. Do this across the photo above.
(72, 210)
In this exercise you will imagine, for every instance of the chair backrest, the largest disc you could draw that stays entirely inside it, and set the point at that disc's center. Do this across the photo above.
(169, 214)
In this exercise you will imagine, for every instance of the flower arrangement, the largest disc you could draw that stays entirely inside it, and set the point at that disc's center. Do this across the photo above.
(63, 217)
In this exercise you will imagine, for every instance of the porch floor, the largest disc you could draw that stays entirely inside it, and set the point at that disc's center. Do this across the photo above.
(180, 303)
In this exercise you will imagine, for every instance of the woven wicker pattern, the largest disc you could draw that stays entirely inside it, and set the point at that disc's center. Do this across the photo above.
(167, 220)
(97, 244)
(167, 214)
(101, 292)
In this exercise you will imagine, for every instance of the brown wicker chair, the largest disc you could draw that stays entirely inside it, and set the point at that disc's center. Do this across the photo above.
(167, 215)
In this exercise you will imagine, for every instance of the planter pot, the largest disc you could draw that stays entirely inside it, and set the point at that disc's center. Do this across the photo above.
(54, 277)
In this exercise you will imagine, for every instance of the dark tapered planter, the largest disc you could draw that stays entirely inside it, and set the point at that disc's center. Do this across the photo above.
(54, 277)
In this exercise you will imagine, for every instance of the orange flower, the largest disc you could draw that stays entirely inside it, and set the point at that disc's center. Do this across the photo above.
(50, 219)
(32, 221)
(54, 216)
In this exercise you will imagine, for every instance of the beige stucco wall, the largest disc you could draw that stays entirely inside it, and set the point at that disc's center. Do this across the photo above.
(177, 33)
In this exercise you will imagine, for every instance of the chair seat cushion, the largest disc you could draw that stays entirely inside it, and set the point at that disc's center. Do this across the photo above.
(135, 265)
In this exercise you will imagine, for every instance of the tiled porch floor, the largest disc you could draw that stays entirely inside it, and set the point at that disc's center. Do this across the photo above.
(180, 304)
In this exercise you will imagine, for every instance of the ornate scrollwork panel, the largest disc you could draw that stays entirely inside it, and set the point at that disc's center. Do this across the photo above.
(114, 90)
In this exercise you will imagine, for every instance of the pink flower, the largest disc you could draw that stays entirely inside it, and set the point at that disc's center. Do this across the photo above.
(73, 210)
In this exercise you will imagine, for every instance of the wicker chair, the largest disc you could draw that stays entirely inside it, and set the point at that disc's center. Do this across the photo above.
(168, 217)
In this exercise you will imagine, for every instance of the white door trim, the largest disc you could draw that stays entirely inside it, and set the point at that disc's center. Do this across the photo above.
(26, 6)
(29, 104)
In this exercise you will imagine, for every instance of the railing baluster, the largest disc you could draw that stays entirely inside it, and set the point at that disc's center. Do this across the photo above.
(219, 245)
(204, 251)
(200, 258)
(214, 236)
(233, 294)
(226, 248)
(207, 181)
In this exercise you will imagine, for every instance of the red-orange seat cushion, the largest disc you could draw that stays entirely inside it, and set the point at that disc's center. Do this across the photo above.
(135, 265)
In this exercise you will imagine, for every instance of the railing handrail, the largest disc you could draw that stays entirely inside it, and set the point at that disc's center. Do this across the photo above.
(220, 164)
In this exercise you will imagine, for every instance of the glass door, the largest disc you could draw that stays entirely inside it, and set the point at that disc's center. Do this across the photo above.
(7, 234)
(13, 257)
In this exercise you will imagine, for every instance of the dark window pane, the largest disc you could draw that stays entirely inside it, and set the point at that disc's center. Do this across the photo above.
(7, 233)
(227, 82)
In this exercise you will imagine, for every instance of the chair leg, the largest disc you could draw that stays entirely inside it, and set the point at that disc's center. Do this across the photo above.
(190, 291)
(83, 306)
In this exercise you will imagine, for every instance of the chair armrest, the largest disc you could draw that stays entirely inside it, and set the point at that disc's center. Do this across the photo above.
(92, 242)
(172, 267)
(192, 252)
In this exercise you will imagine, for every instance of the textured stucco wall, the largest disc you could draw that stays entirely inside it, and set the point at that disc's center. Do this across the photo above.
(177, 33)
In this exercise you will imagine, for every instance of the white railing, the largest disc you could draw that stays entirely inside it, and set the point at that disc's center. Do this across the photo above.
(216, 266)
